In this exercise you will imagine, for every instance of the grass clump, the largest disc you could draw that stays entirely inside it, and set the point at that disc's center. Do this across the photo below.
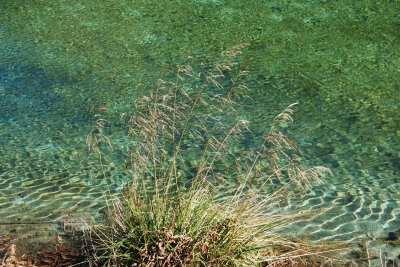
(199, 186)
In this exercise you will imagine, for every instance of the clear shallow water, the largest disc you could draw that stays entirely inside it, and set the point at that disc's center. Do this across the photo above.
(60, 60)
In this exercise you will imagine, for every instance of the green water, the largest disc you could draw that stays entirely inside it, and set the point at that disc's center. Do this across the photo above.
(63, 61)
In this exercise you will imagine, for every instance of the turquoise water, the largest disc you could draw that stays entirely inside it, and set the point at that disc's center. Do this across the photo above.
(62, 62)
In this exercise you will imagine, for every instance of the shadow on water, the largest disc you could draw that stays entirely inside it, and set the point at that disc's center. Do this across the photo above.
(30, 93)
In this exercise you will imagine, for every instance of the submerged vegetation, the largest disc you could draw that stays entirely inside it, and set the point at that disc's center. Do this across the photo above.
(203, 188)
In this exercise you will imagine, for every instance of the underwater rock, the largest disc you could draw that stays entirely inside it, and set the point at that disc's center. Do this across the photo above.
(392, 236)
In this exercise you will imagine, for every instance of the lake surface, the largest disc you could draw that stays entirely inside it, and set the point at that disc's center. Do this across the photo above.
(62, 62)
